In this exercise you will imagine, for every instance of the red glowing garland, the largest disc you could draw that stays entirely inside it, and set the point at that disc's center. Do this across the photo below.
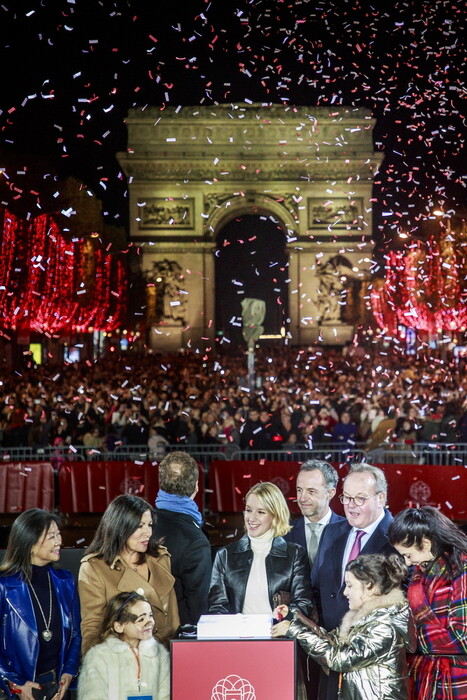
(44, 286)
(422, 289)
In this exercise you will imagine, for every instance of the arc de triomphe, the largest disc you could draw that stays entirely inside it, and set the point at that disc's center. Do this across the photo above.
(191, 170)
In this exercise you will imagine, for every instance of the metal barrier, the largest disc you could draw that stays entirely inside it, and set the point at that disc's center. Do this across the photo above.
(420, 453)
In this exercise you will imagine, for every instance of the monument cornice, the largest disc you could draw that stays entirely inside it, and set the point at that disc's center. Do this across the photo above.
(190, 170)
(179, 248)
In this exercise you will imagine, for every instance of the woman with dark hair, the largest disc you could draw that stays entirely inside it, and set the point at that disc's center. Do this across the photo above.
(39, 610)
(369, 647)
(437, 594)
(123, 556)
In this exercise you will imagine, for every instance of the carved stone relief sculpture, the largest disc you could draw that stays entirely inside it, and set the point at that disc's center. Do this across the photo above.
(167, 296)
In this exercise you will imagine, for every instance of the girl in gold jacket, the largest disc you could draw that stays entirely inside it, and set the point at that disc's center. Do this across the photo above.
(369, 648)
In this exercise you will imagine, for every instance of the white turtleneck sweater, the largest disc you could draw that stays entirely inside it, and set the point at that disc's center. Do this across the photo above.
(256, 595)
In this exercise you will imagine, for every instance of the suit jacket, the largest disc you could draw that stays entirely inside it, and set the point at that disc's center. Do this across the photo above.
(297, 533)
(326, 575)
(191, 561)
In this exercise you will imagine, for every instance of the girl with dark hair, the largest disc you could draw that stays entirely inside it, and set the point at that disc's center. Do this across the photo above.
(437, 594)
(125, 555)
(369, 648)
(39, 610)
(127, 661)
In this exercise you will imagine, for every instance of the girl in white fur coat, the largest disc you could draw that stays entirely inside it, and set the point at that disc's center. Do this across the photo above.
(128, 661)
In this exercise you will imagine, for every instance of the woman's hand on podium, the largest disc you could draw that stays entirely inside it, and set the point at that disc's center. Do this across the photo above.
(280, 630)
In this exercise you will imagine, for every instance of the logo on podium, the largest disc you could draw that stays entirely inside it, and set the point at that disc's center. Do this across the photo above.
(233, 688)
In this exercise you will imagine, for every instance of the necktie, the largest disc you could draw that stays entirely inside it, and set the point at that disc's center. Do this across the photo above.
(357, 545)
(314, 540)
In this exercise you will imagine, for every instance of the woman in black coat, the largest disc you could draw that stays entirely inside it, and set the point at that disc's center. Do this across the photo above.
(249, 576)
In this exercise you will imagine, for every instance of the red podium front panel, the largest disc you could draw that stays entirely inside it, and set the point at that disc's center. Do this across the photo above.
(253, 669)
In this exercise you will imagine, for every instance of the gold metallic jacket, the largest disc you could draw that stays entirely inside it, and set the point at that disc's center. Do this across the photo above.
(369, 648)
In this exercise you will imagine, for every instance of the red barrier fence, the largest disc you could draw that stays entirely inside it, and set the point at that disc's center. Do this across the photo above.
(24, 486)
(409, 484)
(88, 487)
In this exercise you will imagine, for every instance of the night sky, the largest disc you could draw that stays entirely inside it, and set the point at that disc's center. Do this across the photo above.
(71, 70)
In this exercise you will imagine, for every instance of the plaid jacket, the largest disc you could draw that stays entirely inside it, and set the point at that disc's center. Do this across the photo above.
(439, 605)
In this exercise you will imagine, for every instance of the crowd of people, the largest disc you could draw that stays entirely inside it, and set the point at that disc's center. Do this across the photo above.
(376, 602)
(302, 398)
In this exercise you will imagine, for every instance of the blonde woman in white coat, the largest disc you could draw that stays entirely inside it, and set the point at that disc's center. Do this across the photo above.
(369, 648)
(128, 661)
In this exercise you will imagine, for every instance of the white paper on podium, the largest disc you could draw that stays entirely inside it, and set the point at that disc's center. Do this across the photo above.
(234, 626)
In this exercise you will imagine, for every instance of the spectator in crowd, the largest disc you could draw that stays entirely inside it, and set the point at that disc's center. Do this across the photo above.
(437, 594)
(124, 554)
(380, 438)
(313, 386)
(450, 422)
(93, 440)
(431, 426)
(136, 430)
(405, 439)
(344, 433)
(157, 444)
(250, 430)
(179, 525)
(364, 530)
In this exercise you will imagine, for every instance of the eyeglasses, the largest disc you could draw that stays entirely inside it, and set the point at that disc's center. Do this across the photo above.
(357, 500)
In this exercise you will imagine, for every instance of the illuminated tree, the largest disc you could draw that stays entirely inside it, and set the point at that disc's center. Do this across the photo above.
(52, 284)
(425, 287)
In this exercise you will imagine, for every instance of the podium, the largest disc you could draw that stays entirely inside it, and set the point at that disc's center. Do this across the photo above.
(233, 669)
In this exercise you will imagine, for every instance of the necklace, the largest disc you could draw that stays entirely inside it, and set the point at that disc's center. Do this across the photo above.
(47, 633)
(129, 565)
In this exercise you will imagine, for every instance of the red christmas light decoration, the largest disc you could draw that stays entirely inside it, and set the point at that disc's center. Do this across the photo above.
(51, 285)
(422, 289)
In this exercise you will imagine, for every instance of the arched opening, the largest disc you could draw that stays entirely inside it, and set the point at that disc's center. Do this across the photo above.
(251, 262)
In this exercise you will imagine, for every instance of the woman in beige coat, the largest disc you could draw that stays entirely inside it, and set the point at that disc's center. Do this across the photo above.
(125, 556)
(369, 648)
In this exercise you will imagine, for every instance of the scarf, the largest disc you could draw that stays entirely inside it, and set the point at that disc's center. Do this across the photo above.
(178, 504)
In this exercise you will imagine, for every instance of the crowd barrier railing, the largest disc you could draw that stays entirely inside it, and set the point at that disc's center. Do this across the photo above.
(437, 453)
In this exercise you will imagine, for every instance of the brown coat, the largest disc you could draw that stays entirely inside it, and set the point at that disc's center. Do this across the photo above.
(98, 582)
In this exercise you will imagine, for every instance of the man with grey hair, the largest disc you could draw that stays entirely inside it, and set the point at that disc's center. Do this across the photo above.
(363, 531)
(316, 487)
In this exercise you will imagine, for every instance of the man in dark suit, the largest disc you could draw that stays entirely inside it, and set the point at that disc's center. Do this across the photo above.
(364, 531)
(316, 486)
(179, 523)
